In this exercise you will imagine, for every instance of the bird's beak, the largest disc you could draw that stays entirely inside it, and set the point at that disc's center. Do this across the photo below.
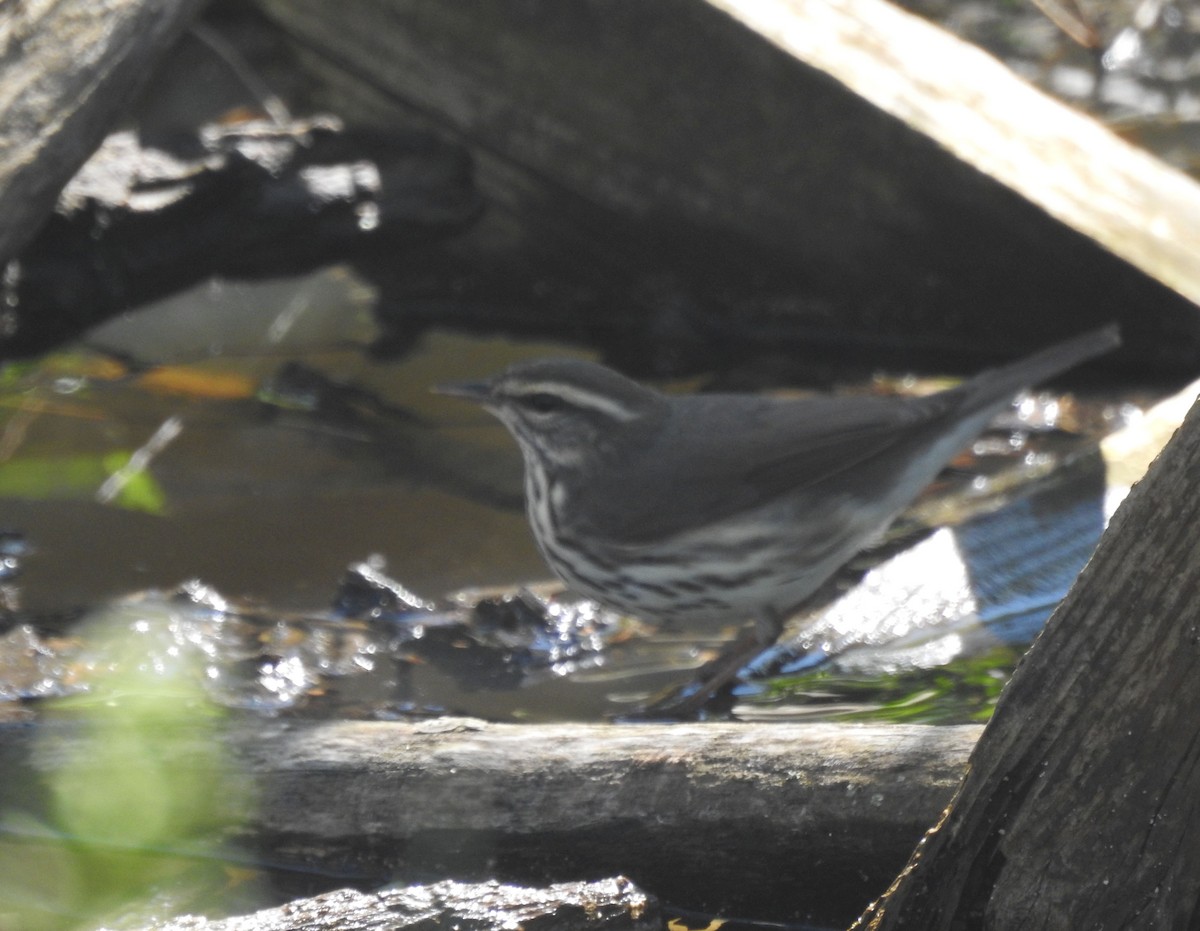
(478, 391)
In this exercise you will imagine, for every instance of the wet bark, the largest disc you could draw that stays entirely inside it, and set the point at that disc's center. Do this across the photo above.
(68, 69)
(1080, 807)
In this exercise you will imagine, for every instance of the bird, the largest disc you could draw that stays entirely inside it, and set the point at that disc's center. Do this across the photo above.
(720, 508)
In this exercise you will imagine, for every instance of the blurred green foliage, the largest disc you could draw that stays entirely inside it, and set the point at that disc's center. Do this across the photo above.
(80, 476)
(135, 794)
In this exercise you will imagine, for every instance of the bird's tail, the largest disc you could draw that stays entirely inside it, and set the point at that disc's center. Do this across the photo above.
(999, 384)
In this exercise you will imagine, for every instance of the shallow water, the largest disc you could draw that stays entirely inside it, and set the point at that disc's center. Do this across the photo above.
(265, 461)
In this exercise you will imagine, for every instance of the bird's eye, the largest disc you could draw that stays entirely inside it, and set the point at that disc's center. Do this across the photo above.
(543, 402)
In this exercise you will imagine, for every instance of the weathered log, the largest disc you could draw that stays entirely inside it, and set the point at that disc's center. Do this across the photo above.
(614, 904)
(252, 199)
(67, 69)
(1079, 809)
(676, 184)
(788, 820)
(1059, 158)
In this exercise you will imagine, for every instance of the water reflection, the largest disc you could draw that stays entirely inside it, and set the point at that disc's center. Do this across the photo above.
(945, 618)
(282, 470)
(962, 601)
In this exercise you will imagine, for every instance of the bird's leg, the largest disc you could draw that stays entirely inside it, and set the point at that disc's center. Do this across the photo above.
(768, 626)
(753, 639)
(717, 673)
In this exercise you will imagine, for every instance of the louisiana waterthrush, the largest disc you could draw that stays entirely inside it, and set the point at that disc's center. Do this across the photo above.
(724, 507)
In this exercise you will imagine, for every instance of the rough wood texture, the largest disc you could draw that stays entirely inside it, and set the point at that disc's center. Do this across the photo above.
(67, 68)
(774, 819)
(607, 905)
(1080, 808)
(780, 820)
(698, 187)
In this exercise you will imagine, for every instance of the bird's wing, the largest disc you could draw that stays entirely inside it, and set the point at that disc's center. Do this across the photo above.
(758, 449)
(754, 451)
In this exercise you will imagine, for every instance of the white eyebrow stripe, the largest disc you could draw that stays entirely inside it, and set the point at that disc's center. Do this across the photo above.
(577, 397)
